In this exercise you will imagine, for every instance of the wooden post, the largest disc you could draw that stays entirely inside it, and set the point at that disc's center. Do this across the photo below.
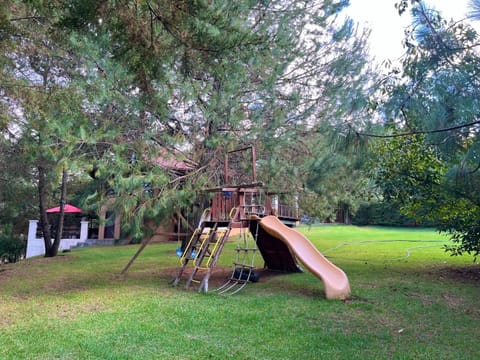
(254, 163)
(140, 249)
(226, 169)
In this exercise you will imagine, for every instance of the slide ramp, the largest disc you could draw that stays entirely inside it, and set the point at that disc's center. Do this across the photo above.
(276, 254)
(335, 281)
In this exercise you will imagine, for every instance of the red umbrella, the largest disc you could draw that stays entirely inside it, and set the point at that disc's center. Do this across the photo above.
(67, 208)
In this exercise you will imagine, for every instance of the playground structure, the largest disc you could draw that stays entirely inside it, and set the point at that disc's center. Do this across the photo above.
(248, 207)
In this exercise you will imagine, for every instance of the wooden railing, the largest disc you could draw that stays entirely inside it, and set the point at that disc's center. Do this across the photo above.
(222, 204)
(286, 211)
(237, 204)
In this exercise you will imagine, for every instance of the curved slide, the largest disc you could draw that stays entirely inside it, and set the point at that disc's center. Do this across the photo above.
(334, 279)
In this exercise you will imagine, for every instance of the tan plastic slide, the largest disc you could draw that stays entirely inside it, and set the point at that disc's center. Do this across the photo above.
(334, 279)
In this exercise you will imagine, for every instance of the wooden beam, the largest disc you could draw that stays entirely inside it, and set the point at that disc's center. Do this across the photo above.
(234, 187)
(190, 227)
(140, 249)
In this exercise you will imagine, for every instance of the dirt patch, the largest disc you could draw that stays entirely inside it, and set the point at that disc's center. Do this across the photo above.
(452, 300)
(3, 272)
(218, 277)
(6, 273)
(460, 274)
(282, 282)
(356, 299)
(23, 267)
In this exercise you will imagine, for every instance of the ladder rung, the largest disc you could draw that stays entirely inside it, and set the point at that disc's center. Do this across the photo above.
(245, 266)
(198, 267)
(207, 242)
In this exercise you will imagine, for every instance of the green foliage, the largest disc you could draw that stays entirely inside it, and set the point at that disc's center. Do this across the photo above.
(427, 161)
(45, 109)
(18, 197)
(381, 213)
(411, 175)
(407, 170)
(109, 87)
(332, 176)
(211, 77)
(12, 247)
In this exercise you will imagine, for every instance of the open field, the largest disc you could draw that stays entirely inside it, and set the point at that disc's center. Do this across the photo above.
(410, 300)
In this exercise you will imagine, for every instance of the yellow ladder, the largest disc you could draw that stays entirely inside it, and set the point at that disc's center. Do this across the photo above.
(203, 250)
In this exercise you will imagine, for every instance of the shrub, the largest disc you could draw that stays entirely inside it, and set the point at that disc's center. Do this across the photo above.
(381, 213)
(12, 248)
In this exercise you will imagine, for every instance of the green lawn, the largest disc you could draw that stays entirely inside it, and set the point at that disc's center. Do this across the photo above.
(410, 300)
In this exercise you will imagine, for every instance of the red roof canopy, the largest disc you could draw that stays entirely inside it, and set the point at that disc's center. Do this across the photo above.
(67, 208)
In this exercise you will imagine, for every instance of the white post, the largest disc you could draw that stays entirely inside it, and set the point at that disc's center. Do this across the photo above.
(32, 229)
(34, 246)
(83, 231)
(275, 204)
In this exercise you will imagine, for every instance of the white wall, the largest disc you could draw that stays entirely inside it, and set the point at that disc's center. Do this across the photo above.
(36, 246)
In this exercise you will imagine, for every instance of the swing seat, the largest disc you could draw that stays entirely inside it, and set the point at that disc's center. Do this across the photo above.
(252, 275)
(179, 252)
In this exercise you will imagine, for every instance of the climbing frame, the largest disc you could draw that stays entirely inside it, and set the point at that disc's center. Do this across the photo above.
(244, 265)
(202, 252)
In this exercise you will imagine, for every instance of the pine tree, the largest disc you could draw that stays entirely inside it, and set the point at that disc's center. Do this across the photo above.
(434, 105)
(194, 79)
(42, 108)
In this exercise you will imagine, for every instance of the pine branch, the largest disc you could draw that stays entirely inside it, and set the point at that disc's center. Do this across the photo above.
(176, 33)
(416, 132)
(28, 18)
(170, 28)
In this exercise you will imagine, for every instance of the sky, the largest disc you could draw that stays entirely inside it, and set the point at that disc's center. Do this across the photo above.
(387, 26)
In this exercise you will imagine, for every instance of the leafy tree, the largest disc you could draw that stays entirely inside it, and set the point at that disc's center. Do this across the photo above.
(109, 87)
(410, 173)
(333, 181)
(43, 109)
(203, 78)
(17, 192)
(428, 160)
(12, 248)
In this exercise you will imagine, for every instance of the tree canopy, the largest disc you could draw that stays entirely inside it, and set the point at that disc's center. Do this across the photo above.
(107, 87)
(428, 158)
(98, 96)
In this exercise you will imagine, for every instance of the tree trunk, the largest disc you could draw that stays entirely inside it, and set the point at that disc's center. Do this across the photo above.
(61, 216)
(347, 219)
(42, 196)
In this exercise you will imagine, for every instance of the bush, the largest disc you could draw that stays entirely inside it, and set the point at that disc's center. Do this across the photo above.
(12, 248)
(381, 213)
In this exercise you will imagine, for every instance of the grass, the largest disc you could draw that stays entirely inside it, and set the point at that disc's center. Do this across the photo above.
(410, 300)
